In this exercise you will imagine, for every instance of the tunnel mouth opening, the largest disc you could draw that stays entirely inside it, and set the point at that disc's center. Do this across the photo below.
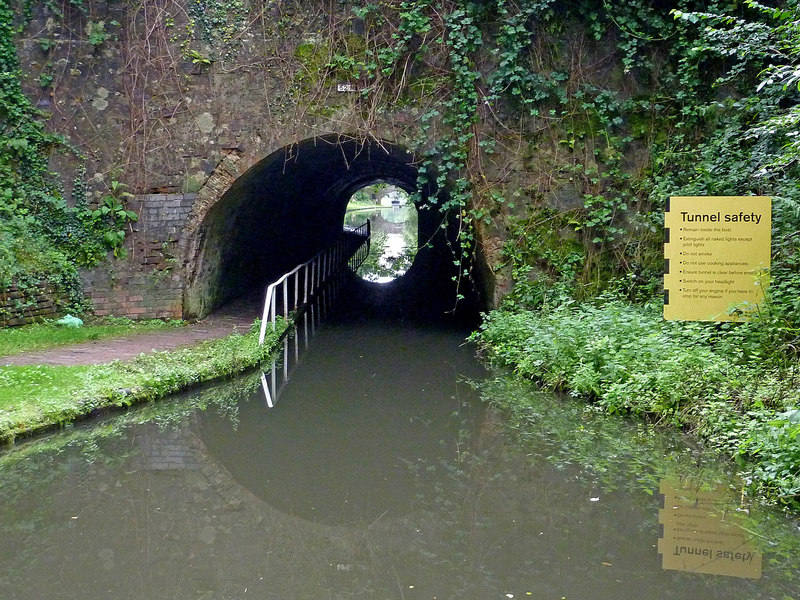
(291, 204)
(394, 229)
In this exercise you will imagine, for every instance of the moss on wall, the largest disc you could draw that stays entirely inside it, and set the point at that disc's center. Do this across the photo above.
(513, 109)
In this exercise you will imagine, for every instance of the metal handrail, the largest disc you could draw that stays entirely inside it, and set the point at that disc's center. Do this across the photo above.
(274, 381)
(314, 273)
(362, 252)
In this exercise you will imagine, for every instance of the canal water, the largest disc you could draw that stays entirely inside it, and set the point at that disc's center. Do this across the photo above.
(378, 469)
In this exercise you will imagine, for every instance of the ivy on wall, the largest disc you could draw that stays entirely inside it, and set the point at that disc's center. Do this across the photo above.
(562, 126)
(487, 59)
(42, 238)
(621, 105)
(215, 24)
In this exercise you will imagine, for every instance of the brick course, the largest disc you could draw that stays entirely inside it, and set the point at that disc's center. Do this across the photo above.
(22, 307)
(146, 284)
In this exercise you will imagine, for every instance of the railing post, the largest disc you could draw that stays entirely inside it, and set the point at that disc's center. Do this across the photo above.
(265, 387)
(295, 300)
(286, 359)
(305, 284)
(264, 317)
(272, 377)
(285, 299)
(272, 308)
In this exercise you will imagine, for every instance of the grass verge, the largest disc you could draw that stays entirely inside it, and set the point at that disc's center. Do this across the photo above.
(40, 336)
(713, 379)
(36, 398)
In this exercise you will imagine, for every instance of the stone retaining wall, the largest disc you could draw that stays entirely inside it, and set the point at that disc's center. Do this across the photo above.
(147, 283)
(22, 307)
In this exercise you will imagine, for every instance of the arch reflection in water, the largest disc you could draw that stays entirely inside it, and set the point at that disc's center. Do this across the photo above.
(366, 418)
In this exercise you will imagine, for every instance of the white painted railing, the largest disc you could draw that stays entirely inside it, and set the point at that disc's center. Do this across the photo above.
(275, 380)
(297, 287)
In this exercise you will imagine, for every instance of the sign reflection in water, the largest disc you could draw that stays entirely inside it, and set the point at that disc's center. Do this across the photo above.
(701, 535)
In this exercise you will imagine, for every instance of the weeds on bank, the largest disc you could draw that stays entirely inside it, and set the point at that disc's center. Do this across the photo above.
(35, 397)
(41, 336)
(731, 383)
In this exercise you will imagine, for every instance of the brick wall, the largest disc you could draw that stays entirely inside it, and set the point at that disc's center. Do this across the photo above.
(147, 283)
(162, 216)
(19, 307)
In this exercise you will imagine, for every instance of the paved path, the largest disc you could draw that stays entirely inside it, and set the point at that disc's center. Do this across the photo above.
(238, 316)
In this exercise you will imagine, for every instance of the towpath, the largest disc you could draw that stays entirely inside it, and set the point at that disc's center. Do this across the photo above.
(238, 316)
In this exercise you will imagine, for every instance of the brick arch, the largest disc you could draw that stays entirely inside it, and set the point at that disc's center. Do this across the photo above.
(297, 192)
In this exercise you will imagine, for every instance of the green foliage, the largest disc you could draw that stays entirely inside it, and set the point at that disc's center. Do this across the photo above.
(749, 142)
(315, 61)
(488, 59)
(734, 384)
(544, 266)
(41, 237)
(45, 79)
(96, 33)
(32, 398)
(113, 212)
(218, 24)
(196, 58)
(717, 116)
(512, 77)
(716, 380)
(589, 350)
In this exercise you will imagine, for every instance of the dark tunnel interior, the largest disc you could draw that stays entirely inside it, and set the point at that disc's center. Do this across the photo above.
(291, 205)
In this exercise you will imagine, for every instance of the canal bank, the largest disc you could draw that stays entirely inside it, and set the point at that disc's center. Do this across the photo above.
(35, 398)
(733, 385)
(621, 358)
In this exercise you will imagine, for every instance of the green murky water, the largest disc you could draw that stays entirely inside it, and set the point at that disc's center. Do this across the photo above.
(378, 472)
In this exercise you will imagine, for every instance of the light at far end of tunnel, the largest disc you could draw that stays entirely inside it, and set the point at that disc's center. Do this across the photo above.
(394, 226)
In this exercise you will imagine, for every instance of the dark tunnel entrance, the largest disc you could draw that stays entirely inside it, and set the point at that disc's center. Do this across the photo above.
(291, 205)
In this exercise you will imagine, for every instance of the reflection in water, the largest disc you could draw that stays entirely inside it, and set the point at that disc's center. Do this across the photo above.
(338, 446)
(377, 475)
(286, 360)
(701, 536)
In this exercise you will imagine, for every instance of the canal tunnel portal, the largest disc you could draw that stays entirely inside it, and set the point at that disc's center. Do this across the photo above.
(291, 204)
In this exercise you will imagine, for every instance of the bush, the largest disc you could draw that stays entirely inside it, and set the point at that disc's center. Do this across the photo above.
(719, 381)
